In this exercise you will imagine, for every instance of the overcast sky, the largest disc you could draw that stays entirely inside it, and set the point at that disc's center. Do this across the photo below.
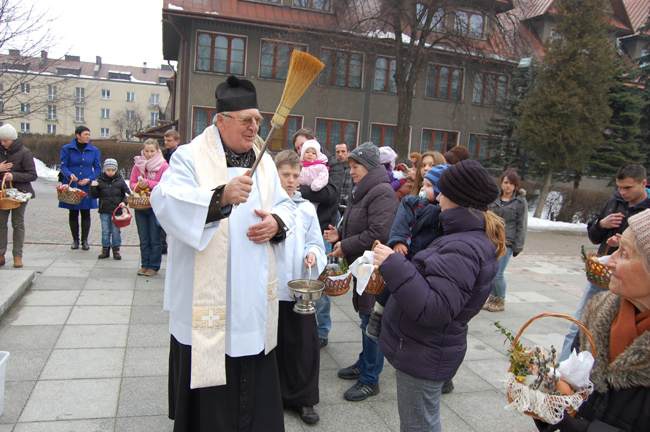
(124, 32)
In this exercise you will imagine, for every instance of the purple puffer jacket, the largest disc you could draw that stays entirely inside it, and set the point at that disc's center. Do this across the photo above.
(424, 327)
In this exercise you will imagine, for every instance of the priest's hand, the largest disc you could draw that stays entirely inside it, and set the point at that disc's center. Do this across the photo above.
(237, 191)
(331, 234)
(310, 260)
(265, 230)
(337, 251)
(381, 252)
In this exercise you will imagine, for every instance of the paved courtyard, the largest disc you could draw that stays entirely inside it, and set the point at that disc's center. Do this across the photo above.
(89, 341)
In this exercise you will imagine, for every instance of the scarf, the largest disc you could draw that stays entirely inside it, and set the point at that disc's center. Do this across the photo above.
(627, 326)
(312, 163)
(149, 167)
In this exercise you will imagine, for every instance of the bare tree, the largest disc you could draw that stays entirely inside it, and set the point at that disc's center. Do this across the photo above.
(128, 123)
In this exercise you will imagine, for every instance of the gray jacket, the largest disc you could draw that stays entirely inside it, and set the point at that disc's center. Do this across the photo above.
(515, 215)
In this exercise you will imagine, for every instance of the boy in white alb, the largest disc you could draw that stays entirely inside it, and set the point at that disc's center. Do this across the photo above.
(300, 256)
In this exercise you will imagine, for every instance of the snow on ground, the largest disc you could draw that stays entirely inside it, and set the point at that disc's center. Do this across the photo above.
(44, 172)
(537, 224)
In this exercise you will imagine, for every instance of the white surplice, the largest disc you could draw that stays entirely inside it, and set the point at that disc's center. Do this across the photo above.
(181, 207)
(305, 238)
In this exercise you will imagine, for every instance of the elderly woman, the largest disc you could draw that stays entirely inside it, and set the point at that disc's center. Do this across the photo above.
(619, 321)
(368, 217)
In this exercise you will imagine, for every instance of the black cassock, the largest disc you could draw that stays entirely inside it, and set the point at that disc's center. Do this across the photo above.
(298, 354)
(249, 402)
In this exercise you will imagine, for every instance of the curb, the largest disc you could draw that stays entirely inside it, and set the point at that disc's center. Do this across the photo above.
(13, 284)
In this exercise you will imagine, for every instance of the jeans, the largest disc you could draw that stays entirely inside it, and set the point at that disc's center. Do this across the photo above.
(111, 236)
(323, 318)
(499, 282)
(371, 359)
(18, 226)
(590, 291)
(149, 233)
(418, 403)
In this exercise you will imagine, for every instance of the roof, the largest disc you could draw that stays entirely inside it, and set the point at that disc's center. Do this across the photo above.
(72, 66)
(637, 12)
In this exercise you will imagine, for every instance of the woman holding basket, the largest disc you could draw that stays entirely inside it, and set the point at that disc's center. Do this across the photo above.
(148, 168)
(80, 165)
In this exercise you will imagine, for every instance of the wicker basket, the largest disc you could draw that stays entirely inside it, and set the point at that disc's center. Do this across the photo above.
(334, 286)
(7, 203)
(597, 273)
(376, 283)
(557, 404)
(141, 202)
(70, 195)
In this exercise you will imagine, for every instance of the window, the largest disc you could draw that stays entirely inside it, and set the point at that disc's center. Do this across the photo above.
(342, 68)
(154, 99)
(385, 69)
(153, 118)
(25, 88)
(220, 53)
(51, 112)
(201, 118)
(25, 108)
(104, 132)
(444, 82)
(105, 113)
(319, 5)
(130, 96)
(481, 146)
(130, 115)
(437, 20)
(24, 127)
(382, 135)
(106, 94)
(281, 139)
(51, 92)
(51, 129)
(274, 59)
(330, 132)
(469, 24)
(489, 89)
(79, 114)
(438, 140)
(79, 94)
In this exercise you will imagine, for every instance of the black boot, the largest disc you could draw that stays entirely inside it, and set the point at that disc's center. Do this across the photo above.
(75, 245)
(116, 253)
(84, 245)
(105, 253)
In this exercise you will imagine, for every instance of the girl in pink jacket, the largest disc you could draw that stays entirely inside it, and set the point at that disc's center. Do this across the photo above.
(147, 171)
(315, 172)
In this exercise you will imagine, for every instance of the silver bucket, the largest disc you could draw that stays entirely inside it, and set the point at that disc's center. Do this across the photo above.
(306, 292)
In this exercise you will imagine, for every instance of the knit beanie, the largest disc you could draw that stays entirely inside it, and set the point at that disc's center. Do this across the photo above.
(110, 163)
(387, 156)
(367, 154)
(434, 174)
(310, 144)
(640, 226)
(468, 184)
(8, 132)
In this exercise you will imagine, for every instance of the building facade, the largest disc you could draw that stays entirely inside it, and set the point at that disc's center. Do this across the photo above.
(54, 96)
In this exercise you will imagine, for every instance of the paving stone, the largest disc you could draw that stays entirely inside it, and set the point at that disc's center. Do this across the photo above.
(148, 298)
(100, 315)
(527, 297)
(449, 420)
(66, 272)
(105, 298)
(99, 273)
(477, 349)
(49, 298)
(350, 417)
(108, 283)
(337, 314)
(123, 264)
(39, 315)
(149, 315)
(67, 426)
(146, 284)
(144, 424)
(492, 371)
(16, 395)
(344, 353)
(467, 381)
(15, 338)
(68, 400)
(93, 336)
(58, 283)
(84, 363)
(148, 335)
(327, 362)
(6, 427)
(345, 331)
(143, 396)
(26, 365)
(146, 362)
(292, 422)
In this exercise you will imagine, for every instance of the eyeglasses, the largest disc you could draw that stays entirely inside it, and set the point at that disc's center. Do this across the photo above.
(246, 120)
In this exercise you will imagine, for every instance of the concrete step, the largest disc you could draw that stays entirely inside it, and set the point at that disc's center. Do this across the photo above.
(13, 283)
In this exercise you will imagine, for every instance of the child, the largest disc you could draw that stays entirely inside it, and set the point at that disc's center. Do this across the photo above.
(315, 172)
(111, 189)
(387, 157)
(300, 256)
(429, 159)
(147, 171)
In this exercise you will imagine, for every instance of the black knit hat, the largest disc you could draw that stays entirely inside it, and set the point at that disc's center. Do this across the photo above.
(235, 95)
(367, 154)
(468, 184)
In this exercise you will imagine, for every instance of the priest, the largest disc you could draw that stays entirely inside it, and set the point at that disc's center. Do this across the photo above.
(220, 284)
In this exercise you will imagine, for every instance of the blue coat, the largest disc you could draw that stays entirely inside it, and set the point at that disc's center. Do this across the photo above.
(433, 297)
(87, 165)
(416, 224)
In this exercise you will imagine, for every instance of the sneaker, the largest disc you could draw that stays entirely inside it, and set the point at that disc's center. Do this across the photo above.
(150, 272)
(360, 391)
(374, 326)
(18, 262)
(448, 387)
(349, 373)
(488, 302)
(142, 271)
(497, 305)
(323, 342)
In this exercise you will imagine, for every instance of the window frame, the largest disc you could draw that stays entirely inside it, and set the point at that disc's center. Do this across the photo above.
(127, 96)
(211, 113)
(105, 113)
(483, 75)
(104, 135)
(452, 68)
(347, 73)
(288, 145)
(213, 36)
(51, 112)
(152, 115)
(25, 108)
(25, 128)
(79, 98)
(488, 153)
(105, 94)
(79, 118)
(446, 140)
(324, 144)
(51, 92)
(386, 89)
(154, 100)
(311, 9)
(275, 41)
(25, 88)
(51, 129)
(469, 33)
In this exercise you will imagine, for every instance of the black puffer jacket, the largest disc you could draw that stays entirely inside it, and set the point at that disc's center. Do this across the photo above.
(111, 191)
(24, 170)
(327, 200)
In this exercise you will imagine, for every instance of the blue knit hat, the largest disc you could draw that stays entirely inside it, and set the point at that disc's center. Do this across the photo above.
(434, 174)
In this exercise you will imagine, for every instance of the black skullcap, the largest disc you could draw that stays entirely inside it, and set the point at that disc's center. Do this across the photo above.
(235, 95)
(468, 184)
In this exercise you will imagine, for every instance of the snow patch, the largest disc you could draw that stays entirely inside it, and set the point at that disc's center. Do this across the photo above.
(44, 172)
(174, 7)
(537, 224)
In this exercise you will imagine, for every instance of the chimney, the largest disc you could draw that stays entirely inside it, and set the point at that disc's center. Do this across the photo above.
(98, 61)
(14, 52)
(43, 55)
(144, 67)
